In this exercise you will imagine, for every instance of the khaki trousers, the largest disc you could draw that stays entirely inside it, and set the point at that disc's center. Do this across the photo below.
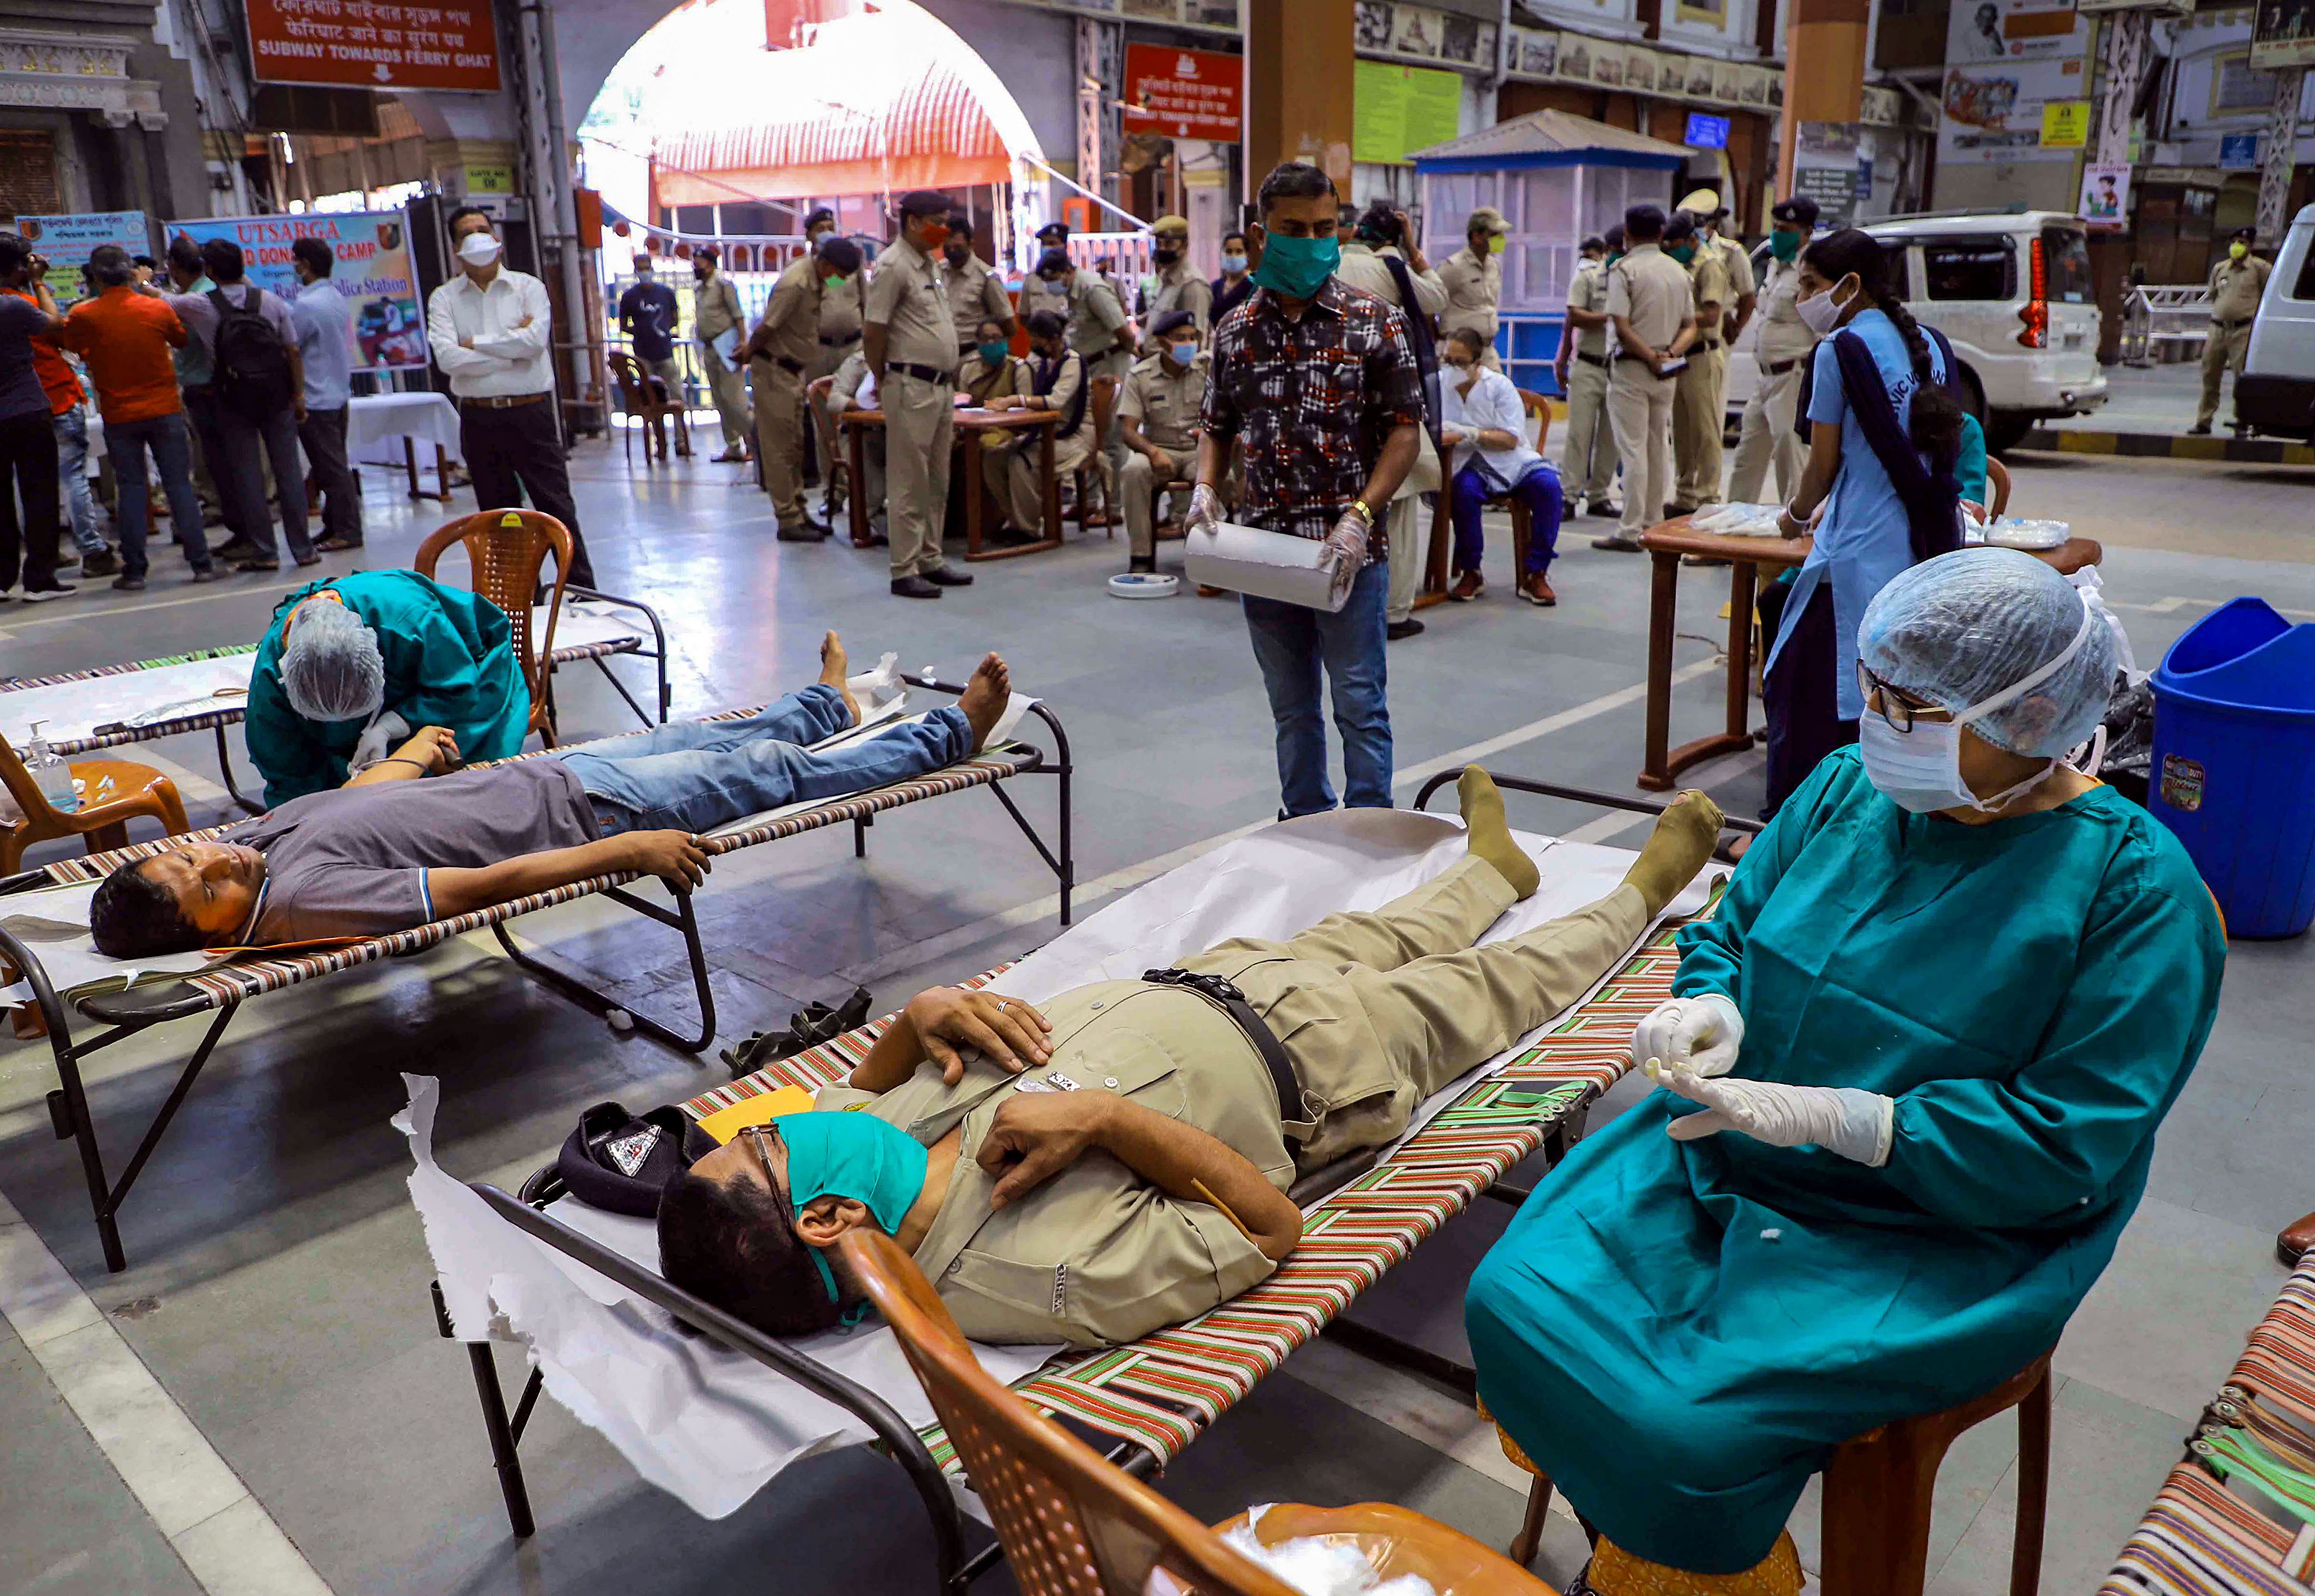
(1700, 400)
(2221, 350)
(1588, 462)
(1640, 406)
(919, 430)
(1024, 487)
(1378, 1010)
(1137, 485)
(730, 395)
(871, 461)
(779, 435)
(1766, 440)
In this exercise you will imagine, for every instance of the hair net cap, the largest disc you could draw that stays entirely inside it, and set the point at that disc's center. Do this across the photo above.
(1959, 629)
(331, 669)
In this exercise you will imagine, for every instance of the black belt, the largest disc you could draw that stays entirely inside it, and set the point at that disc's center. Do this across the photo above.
(2231, 326)
(1225, 995)
(1778, 367)
(839, 342)
(793, 367)
(931, 374)
(1601, 361)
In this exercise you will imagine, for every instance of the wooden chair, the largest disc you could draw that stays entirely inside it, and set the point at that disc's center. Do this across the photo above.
(101, 824)
(1877, 1491)
(1996, 485)
(639, 396)
(1073, 1524)
(1539, 411)
(505, 550)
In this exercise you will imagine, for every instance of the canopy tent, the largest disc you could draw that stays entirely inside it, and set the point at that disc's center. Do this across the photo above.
(1544, 138)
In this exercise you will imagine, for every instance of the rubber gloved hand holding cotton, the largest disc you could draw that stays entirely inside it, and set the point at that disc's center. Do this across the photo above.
(1205, 510)
(331, 669)
(1347, 549)
(1700, 1033)
(1965, 627)
(1856, 1124)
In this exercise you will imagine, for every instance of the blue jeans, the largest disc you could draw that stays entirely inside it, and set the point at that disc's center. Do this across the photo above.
(173, 457)
(1292, 642)
(1538, 490)
(698, 775)
(72, 464)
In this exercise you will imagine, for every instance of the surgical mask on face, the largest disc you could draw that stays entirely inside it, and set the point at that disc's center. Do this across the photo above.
(478, 249)
(1495, 243)
(992, 354)
(935, 234)
(1785, 243)
(644, 274)
(1821, 313)
(1298, 268)
(1183, 353)
(1166, 253)
(1234, 262)
(1682, 252)
(854, 1156)
(1919, 770)
(833, 281)
(2237, 249)
(1613, 256)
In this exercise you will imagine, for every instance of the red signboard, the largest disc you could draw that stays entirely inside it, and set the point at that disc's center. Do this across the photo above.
(1182, 94)
(378, 44)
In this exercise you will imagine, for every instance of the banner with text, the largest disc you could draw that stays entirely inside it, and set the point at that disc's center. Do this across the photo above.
(1182, 94)
(373, 274)
(65, 242)
(2005, 61)
(382, 44)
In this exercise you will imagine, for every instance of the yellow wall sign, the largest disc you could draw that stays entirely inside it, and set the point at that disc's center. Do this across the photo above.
(491, 179)
(2065, 124)
(1395, 111)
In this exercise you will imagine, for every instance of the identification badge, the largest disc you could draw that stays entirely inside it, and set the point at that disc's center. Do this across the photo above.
(1026, 1083)
(1062, 1083)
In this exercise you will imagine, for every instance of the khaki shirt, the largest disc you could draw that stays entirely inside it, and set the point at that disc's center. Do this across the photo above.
(975, 294)
(1650, 289)
(842, 312)
(1362, 268)
(715, 308)
(1181, 288)
(788, 329)
(2236, 287)
(1474, 285)
(1707, 281)
(850, 387)
(1094, 314)
(1095, 1255)
(905, 299)
(1589, 291)
(1164, 405)
(1783, 336)
(1738, 260)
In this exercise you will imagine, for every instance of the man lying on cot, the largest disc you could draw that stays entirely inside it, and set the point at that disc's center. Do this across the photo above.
(1119, 1161)
(389, 851)
(353, 664)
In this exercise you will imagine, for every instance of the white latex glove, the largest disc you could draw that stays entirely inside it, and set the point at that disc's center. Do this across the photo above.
(1700, 1034)
(384, 735)
(1346, 550)
(1205, 510)
(1844, 1120)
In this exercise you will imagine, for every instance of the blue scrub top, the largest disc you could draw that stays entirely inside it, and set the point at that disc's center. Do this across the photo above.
(1865, 537)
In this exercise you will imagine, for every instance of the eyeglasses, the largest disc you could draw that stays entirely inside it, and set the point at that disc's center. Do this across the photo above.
(758, 1137)
(1896, 705)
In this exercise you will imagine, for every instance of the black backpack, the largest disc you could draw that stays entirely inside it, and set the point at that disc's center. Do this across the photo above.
(250, 366)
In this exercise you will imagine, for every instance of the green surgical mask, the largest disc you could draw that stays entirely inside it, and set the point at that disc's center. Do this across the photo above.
(992, 354)
(1682, 252)
(1785, 243)
(854, 1156)
(833, 280)
(1298, 268)
(1613, 256)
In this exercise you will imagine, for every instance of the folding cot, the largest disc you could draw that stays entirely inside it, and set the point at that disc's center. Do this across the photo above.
(1144, 1403)
(220, 989)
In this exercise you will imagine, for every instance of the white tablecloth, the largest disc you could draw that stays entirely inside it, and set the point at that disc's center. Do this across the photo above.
(376, 425)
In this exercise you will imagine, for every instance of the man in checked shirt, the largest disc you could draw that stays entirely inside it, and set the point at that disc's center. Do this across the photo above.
(1318, 381)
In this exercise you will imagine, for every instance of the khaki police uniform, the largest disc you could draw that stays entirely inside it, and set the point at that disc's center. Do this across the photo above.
(1095, 314)
(1741, 280)
(849, 388)
(1475, 286)
(1589, 459)
(840, 312)
(786, 345)
(1767, 436)
(1363, 267)
(1025, 483)
(975, 294)
(2235, 289)
(1181, 288)
(1700, 395)
(1162, 405)
(1375, 1011)
(715, 310)
(1651, 291)
(920, 401)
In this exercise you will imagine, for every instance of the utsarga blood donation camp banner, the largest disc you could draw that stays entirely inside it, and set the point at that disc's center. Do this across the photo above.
(373, 273)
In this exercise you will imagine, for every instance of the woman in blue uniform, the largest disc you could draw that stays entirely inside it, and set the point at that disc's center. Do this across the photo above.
(1912, 1080)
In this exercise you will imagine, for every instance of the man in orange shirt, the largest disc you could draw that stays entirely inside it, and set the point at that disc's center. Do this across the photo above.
(125, 337)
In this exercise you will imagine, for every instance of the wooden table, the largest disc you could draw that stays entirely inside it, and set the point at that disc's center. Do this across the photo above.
(971, 423)
(1747, 558)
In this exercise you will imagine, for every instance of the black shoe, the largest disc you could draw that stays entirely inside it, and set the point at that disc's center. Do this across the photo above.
(2199, 430)
(816, 517)
(103, 562)
(1618, 541)
(336, 545)
(1142, 565)
(804, 533)
(131, 584)
(1603, 510)
(914, 587)
(306, 559)
(948, 576)
(55, 590)
(257, 566)
(1409, 627)
(207, 574)
(235, 549)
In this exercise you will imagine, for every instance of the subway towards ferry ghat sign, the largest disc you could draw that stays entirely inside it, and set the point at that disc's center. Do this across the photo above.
(379, 44)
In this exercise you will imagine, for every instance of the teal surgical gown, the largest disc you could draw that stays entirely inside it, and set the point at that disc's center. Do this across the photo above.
(1677, 1333)
(450, 661)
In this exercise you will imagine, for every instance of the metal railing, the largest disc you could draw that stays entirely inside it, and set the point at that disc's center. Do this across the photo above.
(2169, 313)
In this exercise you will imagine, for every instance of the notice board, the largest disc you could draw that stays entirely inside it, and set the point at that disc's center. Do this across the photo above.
(1395, 110)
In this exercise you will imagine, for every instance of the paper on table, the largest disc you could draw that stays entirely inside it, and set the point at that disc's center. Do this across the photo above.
(1266, 564)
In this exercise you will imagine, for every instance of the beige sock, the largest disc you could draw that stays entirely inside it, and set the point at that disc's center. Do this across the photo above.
(1676, 850)
(1488, 835)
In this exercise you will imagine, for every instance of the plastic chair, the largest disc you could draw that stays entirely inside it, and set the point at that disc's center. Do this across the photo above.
(505, 550)
(1073, 1524)
(638, 396)
(1877, 1491)
(102, 825)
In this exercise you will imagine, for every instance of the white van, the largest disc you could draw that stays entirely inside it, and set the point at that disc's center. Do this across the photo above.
(2274, 392)
(2011, 291)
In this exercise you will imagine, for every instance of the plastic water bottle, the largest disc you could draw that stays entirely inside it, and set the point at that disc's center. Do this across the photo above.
(49, 772)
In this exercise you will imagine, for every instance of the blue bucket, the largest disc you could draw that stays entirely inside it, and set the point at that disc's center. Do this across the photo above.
(2234, 763)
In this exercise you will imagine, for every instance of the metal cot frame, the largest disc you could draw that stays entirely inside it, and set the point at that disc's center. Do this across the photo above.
(223, 988)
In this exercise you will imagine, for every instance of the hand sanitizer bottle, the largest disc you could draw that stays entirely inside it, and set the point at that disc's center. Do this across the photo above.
(49, 772)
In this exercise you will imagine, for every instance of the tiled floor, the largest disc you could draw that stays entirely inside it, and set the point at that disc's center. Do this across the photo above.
(277, 1286)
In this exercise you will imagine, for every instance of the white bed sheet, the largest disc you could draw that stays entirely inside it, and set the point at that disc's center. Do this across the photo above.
(712, 1427)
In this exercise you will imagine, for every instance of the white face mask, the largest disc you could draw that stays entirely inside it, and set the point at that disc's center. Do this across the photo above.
(1821, 312)
(478, 249)
(644, 274)
(1919, 770)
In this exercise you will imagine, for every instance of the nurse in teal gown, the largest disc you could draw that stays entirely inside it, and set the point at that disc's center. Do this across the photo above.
(1678, 1331)
(449, 660)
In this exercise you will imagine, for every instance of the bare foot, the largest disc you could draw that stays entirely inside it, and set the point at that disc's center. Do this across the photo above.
(1676, 850)
(985, 697)
(831, 673)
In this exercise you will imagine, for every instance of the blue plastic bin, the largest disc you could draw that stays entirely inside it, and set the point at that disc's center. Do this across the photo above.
(2234, 763)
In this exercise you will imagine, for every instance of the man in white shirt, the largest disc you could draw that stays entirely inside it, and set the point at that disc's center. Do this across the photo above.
(489, 328)
(1485, 434)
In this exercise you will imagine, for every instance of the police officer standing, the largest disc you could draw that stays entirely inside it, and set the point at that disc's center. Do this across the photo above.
(1767, 436)
(1712, 223)
(975, 293)
(1651, 304)
(715, 310)
(780, 353)
(2236, 284)
(1473, 277)
(1588, 461)
(1700, 397)
(1178, 287)
(911, 349)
